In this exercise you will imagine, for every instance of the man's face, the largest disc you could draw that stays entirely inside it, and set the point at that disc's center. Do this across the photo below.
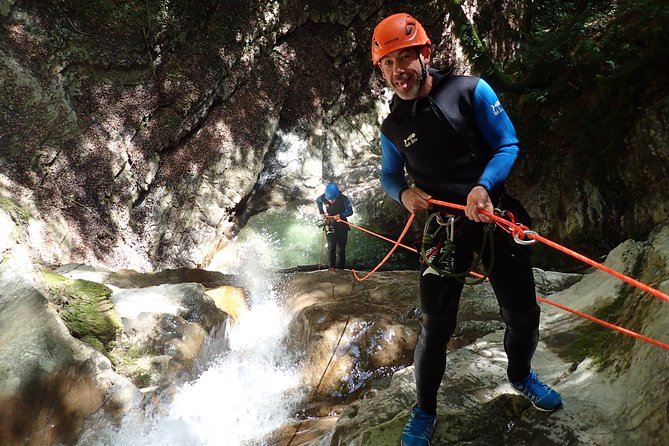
(401, 70)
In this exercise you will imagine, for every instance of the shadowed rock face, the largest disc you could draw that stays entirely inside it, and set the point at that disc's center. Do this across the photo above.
(159, 137)
(145, 136)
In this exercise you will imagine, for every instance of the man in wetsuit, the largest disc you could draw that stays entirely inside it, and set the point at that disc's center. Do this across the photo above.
(457, 143)
(330, 204)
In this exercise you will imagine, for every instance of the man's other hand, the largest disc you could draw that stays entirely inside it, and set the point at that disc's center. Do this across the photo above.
(478, 200)
(415, 200)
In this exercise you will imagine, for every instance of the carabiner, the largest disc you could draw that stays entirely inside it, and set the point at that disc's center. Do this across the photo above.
(450, 223)
(525, 233)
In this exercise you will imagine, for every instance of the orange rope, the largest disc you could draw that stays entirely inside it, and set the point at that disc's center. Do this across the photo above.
(377, 235)
(397, 243)
(636, 283)
(607, 324)
(519, 233)
(631, 333)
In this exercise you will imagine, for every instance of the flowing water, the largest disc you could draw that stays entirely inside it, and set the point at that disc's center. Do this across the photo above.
(243, 394)
(251, 389)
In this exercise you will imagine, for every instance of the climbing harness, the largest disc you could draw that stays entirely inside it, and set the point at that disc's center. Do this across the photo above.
(438, 249)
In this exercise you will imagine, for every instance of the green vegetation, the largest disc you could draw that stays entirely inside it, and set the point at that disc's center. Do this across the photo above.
(86, 310)
(595, 341)
(141, 378)
(19, 215)
(591, 59)
(475, 49)
(125, 362)
(582, 69)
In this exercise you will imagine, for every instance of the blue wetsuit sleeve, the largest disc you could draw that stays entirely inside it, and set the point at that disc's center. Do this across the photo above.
(392, 169)
(319, 203)
(498, 131)
(348, 209)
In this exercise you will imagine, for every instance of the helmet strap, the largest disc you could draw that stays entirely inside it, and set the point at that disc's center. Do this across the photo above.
(423, 71)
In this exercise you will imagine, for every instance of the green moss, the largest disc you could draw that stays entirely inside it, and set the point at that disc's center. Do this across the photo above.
(125, 363)
(86, 310)
(120, 360)
(141, 379)
(94, 342)
(125, 357)
(19, 215)
(592, 340)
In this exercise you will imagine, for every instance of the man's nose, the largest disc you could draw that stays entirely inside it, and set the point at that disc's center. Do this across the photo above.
(398, 68)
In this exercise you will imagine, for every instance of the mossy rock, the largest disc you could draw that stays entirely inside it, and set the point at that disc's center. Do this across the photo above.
(86, 309)
(593, 340)
(19, 215)
(128, 362)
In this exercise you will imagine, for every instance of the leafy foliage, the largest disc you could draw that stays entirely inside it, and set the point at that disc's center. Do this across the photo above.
(597, 51)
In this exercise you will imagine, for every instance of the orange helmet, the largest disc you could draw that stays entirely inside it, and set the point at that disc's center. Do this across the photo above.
(395, 32)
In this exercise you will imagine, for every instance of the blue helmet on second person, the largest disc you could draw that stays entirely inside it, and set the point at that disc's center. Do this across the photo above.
(331, 191)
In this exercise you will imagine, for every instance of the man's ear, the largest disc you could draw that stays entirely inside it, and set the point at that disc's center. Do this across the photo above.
(426, 52)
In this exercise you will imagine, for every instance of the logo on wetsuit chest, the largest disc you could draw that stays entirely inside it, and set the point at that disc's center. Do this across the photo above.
(410, 140)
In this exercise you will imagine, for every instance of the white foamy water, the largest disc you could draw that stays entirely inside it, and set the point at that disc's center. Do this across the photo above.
(243, 395)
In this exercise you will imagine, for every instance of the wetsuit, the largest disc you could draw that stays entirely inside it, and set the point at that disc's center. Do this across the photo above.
(448, 147)
(338, 238)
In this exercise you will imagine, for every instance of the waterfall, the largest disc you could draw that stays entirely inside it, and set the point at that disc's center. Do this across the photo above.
(243, 394)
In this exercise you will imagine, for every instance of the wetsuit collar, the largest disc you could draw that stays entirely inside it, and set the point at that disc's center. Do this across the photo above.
(438, 76)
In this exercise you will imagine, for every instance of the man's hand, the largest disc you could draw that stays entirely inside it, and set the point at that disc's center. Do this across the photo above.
(478, 200)
(415, 200)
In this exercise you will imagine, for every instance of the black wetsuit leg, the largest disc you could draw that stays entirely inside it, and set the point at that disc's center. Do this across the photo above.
(513, 283)
(439, 301)
(512, 280)
(342, 239)
(332, 249)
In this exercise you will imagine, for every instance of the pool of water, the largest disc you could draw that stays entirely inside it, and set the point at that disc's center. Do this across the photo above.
(296, 240)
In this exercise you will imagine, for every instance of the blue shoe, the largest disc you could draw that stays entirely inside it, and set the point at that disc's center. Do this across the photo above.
(418, 430)
(540, 395)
